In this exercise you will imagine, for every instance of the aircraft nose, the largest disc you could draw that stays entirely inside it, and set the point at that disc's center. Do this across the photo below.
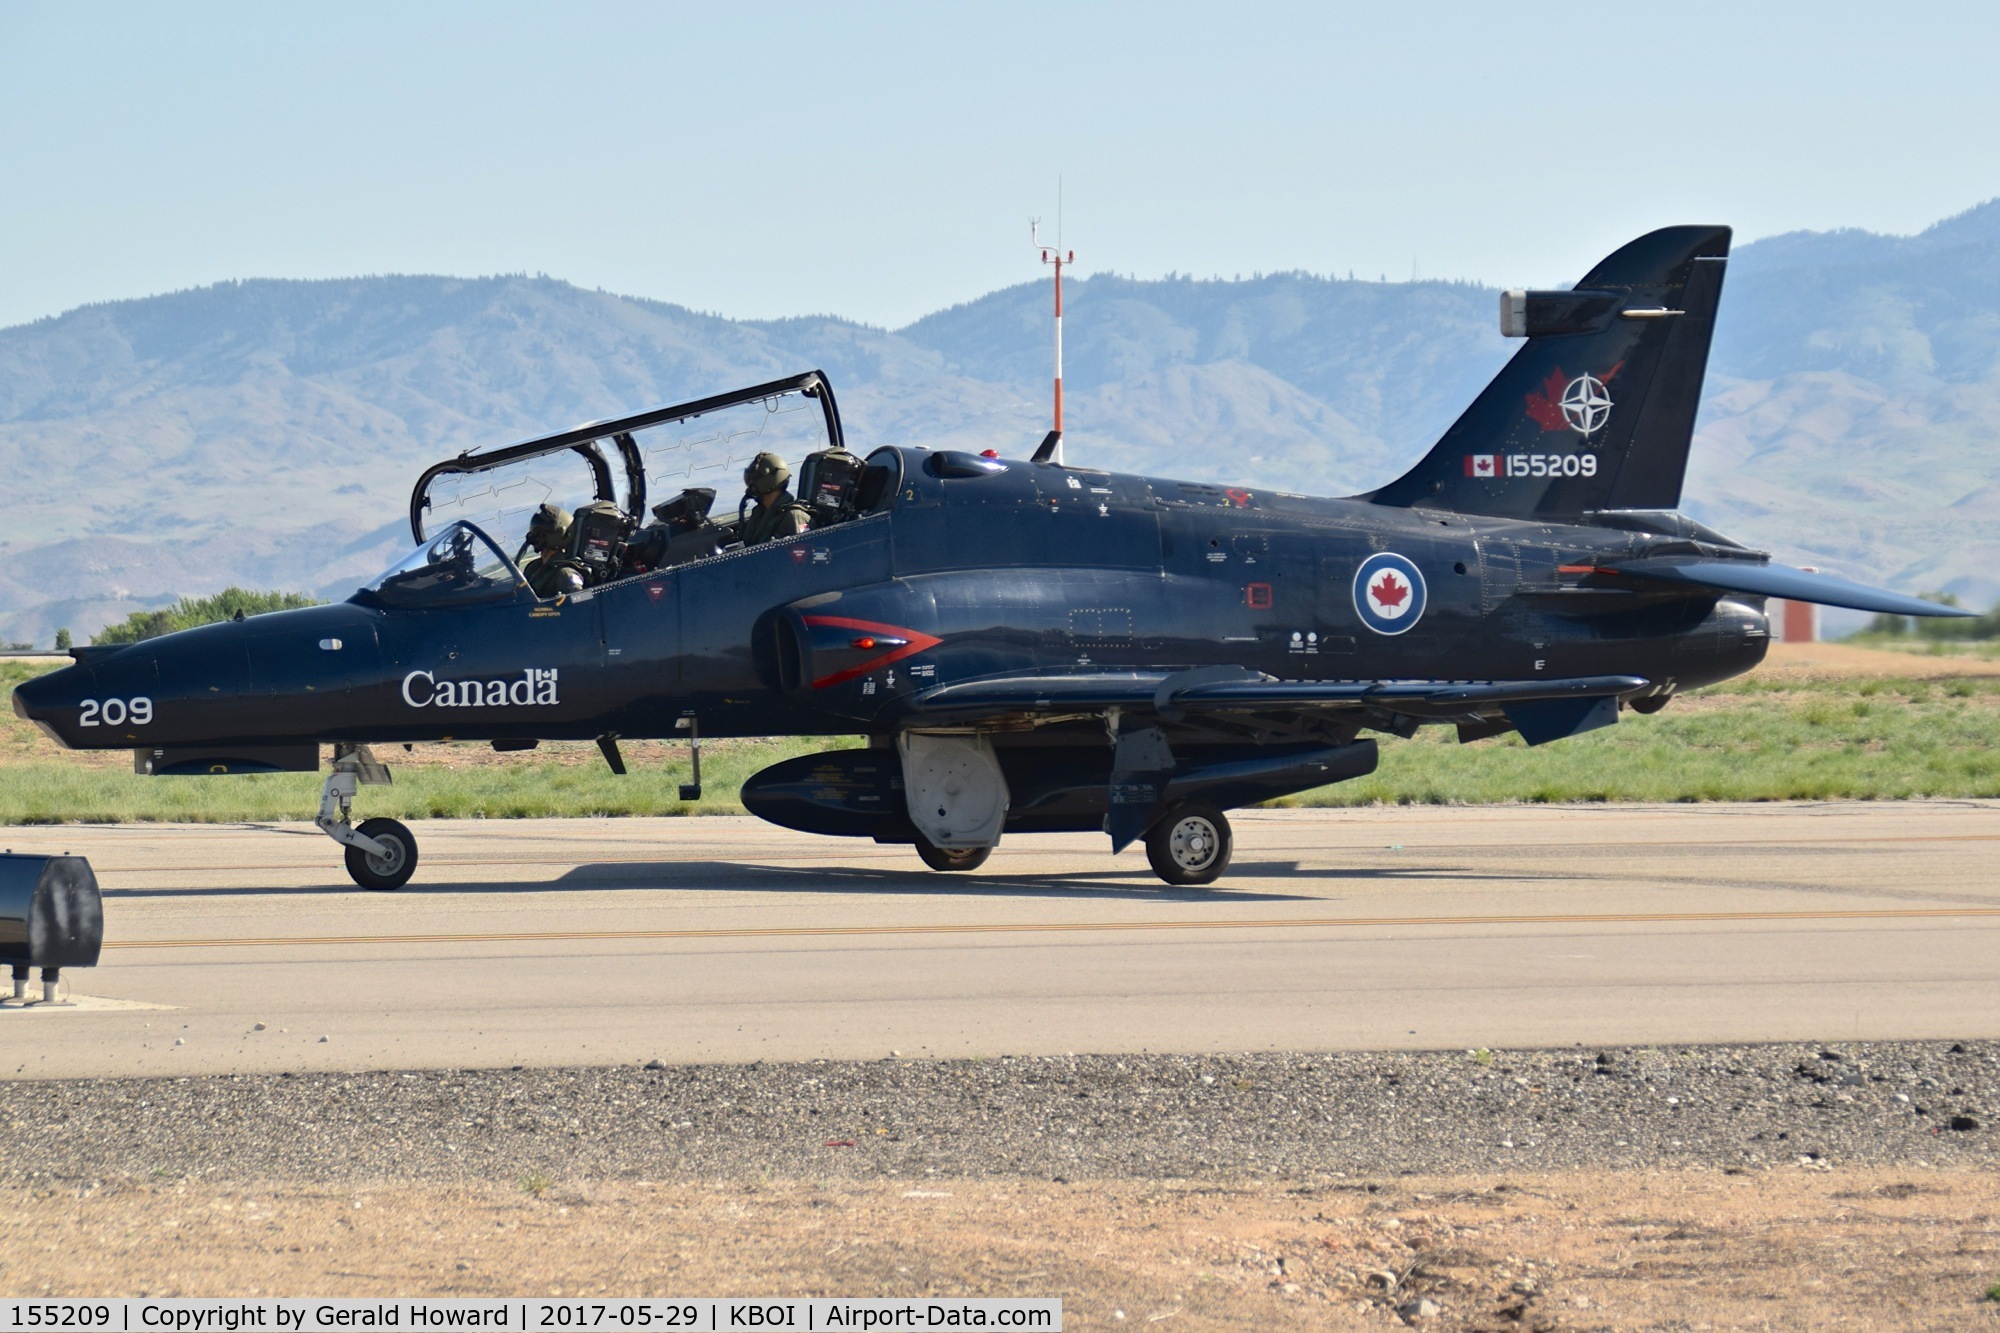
(49, 699)
(286, 675)
(155, 692)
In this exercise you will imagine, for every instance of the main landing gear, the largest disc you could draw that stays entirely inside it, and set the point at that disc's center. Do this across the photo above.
(958, 800)
(1190, 844)
(381, 854)
(951, 858)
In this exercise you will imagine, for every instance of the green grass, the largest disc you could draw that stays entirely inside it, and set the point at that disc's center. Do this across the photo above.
(55, 791)
(1757, 739)
(1750, 740)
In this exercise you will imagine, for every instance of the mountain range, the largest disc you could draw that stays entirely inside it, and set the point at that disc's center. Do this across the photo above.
(265, 432)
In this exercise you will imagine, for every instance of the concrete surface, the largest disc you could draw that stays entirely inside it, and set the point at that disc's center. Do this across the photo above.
(606, 941)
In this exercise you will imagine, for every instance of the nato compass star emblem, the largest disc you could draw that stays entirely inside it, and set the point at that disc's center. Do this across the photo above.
(1585, 405)
(1581, 403)
(1388, 593)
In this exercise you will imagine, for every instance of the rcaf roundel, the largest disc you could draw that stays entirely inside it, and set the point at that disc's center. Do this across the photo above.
(1388, 593)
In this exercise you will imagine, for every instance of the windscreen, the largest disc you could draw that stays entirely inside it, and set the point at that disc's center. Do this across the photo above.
(501, 500)
(459, 565)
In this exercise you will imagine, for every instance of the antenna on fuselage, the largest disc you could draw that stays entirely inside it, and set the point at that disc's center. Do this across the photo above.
(1051, 450)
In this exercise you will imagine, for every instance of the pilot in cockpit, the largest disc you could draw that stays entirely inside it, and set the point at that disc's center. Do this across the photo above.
(777, 512)
(550, 570)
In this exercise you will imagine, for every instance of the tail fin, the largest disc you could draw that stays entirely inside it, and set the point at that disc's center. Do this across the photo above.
(1597, 410)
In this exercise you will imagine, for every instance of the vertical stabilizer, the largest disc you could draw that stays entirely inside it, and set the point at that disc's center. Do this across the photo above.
(1597, 410)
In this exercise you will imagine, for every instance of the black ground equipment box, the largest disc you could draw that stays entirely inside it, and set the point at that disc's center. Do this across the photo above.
(51, 917)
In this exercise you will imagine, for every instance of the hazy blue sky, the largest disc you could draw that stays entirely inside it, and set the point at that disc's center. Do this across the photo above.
(880, 161)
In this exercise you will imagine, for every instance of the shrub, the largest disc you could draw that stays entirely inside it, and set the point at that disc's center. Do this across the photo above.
(191, 611)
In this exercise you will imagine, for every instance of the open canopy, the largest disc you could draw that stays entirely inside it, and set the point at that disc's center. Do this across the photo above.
(705, 442)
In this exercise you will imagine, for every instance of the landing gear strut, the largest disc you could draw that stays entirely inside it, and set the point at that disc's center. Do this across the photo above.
(1190, 844)
(381, 854)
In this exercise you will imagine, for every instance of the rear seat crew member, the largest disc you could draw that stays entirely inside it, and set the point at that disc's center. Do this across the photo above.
(777, 513)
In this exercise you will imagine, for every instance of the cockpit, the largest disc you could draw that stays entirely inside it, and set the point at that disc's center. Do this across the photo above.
(590, 487)
(458, 567)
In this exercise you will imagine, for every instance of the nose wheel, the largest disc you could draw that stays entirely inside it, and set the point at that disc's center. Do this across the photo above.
(1191, 844)
(389, 868)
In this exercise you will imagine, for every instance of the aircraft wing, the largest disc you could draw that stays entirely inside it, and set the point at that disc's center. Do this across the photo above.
(1232, 689)
(1776, 581)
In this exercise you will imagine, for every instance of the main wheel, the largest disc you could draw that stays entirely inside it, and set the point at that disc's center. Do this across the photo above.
(951, 858)
(389, 871)
(1191, 845)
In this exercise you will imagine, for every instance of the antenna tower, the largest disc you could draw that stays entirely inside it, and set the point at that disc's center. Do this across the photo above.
(1051, 450)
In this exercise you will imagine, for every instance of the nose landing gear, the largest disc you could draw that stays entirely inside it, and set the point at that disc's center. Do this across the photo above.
(390, 868)
(381, 854)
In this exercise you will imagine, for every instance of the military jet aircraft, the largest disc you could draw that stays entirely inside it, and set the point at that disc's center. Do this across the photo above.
(1028, 646)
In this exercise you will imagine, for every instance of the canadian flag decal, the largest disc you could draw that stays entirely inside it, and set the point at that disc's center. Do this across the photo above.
(1479, 465)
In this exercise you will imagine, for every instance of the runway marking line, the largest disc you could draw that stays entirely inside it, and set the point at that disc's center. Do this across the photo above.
(438, 862)
(1075, 927)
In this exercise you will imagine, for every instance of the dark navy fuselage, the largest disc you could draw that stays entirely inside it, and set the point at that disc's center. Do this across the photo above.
(1028, 568)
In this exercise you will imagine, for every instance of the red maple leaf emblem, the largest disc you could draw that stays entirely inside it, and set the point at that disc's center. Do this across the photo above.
(1388, 592)
(1545, 408)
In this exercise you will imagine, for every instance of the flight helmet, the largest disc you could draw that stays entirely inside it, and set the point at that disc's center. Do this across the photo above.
(767, 472)
(549, 526)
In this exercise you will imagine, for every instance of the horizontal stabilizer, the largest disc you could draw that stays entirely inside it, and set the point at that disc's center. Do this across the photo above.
(1779, 581)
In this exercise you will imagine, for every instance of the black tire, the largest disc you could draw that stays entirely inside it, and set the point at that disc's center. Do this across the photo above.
(951, 858)
(379, 873)
(1191, 844)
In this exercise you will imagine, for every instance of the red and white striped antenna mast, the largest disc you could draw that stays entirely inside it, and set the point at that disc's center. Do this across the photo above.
(1051, 450)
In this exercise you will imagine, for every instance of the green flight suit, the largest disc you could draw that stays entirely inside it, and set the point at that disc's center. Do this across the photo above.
(784, 517)
(544, 574)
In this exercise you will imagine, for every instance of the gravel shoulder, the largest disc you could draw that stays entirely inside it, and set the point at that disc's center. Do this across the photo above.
(1767, 1186)
(1109, 1117)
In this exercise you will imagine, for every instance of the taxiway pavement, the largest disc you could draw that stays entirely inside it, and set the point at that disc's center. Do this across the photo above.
(537, 942)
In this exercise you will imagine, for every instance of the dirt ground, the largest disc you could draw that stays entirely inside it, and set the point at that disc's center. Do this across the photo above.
(1846, 661)
(1791, 1248)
